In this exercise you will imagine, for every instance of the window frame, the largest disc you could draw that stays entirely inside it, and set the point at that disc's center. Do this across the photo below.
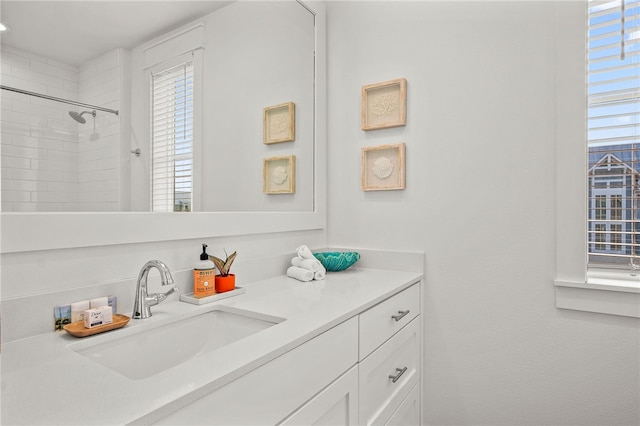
(602, 292)
(169, 145)
(613, 102)
(196, 57)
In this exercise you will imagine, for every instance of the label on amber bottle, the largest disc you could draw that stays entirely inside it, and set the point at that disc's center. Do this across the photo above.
(204, 282)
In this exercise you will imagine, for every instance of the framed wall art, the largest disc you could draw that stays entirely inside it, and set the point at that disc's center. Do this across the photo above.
(279, 175)
(383, 167)
(279, 123)
(384, 104)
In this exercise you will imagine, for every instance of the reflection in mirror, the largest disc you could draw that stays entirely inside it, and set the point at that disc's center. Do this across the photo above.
(253, 55)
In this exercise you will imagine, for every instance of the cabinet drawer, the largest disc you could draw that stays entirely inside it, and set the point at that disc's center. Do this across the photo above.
(408, 414)
(383, 320)
(398, 359)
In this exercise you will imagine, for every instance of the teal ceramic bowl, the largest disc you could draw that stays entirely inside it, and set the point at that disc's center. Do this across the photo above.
(335, 261)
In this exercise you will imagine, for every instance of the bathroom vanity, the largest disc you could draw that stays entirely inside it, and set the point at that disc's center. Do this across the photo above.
(345, 350)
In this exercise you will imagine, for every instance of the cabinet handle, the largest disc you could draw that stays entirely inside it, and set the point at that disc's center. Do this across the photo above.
(400, 315)
(399, 372)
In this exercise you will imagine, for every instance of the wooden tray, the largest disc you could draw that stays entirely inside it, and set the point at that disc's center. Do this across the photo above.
(78, 329)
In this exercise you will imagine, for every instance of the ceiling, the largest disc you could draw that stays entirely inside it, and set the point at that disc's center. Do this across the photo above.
(74, 32)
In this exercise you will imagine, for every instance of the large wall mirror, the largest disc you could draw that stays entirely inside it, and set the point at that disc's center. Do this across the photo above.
(81, 174)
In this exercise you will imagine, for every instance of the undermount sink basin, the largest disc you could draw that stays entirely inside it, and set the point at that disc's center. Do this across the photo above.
(148, 352)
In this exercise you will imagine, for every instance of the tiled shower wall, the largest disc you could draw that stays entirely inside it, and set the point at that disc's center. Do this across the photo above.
(99, 166)
(39, 139)
(50, 162)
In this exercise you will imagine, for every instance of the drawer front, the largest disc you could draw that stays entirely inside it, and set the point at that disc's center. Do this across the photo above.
(385, 319)
(389, 374)
(408, 414)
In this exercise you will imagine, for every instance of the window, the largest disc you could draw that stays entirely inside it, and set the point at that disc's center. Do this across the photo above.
(614, 134)
(172, 138)
(597, 290)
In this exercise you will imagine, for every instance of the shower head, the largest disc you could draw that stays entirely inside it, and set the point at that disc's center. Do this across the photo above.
(78, 115)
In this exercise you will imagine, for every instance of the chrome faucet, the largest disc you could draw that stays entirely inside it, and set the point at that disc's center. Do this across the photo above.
(143, 301)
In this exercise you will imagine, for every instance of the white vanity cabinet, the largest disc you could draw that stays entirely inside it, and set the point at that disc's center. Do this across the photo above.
(385, 389)
(363, 371)
(390, 347)
(270, 393)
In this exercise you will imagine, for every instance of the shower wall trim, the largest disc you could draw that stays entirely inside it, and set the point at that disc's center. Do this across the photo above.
(52, 98)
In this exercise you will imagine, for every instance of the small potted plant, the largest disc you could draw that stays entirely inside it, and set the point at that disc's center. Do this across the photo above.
(224, 280)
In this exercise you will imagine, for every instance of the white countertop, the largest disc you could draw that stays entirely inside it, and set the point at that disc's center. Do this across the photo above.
(44, 381)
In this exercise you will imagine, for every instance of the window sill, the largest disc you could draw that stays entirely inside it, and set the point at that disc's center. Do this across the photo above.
(602, 293)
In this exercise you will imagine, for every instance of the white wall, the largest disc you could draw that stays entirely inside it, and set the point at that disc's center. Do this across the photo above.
(480, 201)
(255, 55)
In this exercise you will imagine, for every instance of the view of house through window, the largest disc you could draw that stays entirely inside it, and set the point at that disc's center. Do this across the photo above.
(172, 139)
(614, 133)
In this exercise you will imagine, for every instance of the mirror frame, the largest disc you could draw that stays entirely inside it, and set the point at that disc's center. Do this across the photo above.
(49, 231)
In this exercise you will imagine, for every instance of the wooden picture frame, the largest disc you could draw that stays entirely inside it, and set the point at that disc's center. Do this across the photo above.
(279, 123)
(384, 104)
(383, 167)
(279, 175)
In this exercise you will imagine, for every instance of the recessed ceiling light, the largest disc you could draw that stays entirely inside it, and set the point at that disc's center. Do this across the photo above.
(4, 27)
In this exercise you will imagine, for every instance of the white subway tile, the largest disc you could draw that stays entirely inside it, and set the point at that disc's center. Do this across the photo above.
(15, 128)
(14, 196)
(58, 155)
(105, 185)
(52, 166)
(23, 152)
(21, 140)
(63, 187)
(11, 57)
(15, 162)
(54, 197)
(51, 145)
(39, 175)
(55, 71)
(23, 185)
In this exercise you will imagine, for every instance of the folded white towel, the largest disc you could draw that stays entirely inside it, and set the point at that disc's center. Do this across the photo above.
(304, 252)
(300, 274)
(313, 265)
(319, 275)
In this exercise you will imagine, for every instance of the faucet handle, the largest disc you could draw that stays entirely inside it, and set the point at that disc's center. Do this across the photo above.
(156, 298)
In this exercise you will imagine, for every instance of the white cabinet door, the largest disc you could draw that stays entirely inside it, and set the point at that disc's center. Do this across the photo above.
(273, 391)
(408, 414)
(336, 405)
(388, 375)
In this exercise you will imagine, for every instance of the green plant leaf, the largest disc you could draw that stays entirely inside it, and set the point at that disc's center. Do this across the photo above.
(229, 261)
(218, 262)
(224, 265)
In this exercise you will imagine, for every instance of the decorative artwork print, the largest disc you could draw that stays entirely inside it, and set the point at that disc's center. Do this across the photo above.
(279, 123)
(384, 104)
(279, 175)
(383, 167)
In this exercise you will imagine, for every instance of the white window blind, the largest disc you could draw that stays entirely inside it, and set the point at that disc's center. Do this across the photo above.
(614, 133)
(172, 138)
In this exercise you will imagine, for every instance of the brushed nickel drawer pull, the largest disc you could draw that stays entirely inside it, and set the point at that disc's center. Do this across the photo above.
(400, 315)
(400, 372)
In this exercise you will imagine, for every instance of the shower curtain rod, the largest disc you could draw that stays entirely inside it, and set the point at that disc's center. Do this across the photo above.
(52, 98)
